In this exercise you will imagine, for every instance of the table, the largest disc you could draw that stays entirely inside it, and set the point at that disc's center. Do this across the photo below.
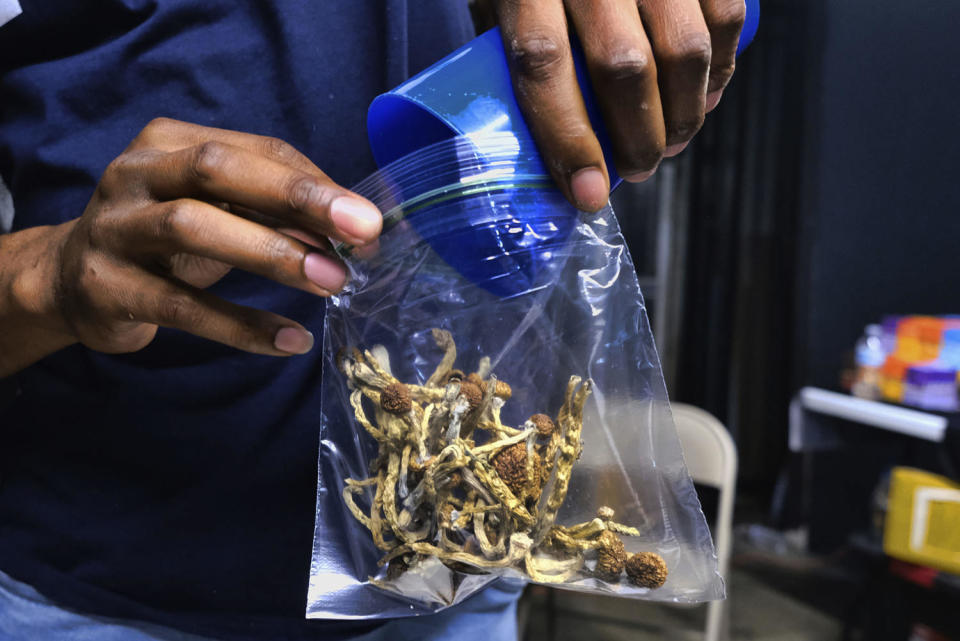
(842, 436)
(807, 434)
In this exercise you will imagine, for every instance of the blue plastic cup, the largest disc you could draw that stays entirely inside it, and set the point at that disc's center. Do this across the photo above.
(469, 93)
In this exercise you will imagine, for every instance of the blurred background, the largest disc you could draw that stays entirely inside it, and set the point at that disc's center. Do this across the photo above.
(800, 267)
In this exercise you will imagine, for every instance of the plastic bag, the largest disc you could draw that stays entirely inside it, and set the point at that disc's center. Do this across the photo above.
(435, 475)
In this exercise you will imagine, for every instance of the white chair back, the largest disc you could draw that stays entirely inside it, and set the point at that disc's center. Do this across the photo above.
(711, 460)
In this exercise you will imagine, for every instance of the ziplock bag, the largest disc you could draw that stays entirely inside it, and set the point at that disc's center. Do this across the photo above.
(493, 404)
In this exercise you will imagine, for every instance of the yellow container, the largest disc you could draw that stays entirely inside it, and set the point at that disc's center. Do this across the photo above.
(923, 519)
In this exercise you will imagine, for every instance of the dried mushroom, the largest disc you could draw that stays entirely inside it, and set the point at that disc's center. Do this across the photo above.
(543, 424)
(395, 398)
(611, 556)
(647, 569)
(513, 465)
(473, 394)
(451, 481)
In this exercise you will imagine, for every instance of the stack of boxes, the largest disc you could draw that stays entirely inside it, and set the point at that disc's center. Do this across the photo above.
(923, 360)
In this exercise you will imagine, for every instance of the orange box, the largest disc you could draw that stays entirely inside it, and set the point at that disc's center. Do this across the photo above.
(892, 373)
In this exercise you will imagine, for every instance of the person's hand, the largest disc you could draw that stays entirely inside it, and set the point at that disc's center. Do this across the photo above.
(656, 67)
(175, 212)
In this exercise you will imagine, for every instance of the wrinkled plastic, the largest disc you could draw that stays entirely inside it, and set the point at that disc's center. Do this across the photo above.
(580, 313)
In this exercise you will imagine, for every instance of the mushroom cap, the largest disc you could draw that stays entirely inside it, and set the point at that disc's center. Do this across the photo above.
(647, 569)
(474, 378)
(611, 556)
(472, 393)
(395, 398)
(543, 423)
(511, 464)
(503, 391)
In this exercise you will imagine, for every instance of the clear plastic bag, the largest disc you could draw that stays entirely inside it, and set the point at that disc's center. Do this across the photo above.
(481, 251)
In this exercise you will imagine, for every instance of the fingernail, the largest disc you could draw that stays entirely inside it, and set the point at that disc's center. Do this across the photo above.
(639, 176)
(324, 271)
(673, 150)
(589, 189)
(356, 218)
(713, 99)
(293, 340)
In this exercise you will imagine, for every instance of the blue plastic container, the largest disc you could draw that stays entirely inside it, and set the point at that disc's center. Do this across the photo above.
(469, 93)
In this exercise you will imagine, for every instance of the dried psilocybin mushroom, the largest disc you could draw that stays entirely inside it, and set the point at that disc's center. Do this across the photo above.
(611, 556)
(647, 570)
(452, 482)
(517, 467)
(543, 424)
(475, 379)
(473, 394)
(395, 398)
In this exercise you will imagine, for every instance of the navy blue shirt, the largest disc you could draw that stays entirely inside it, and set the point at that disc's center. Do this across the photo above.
(177, 484)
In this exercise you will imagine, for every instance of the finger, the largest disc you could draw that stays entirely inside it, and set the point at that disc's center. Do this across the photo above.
(304, 236)
(167, 134)
(624, 79)
(538, 53)
(221, 172)
(307, 238)
(681, 46)
(176, 305)
(724, 19)
(198, 228)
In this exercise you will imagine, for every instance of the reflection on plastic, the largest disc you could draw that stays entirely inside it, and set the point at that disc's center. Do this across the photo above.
(580, 312)
(494, 228)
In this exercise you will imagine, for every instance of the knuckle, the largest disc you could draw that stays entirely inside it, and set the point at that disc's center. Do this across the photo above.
(87, 280)
(684, 130)
(177, 310)
(301, 192)
(115, 177)
(720, 75)
(280, 255)
(124, 175)
(160, 123)
(649, 157)
(208, 160)
(278, 149)
(100, 231)
(172, 221)
(692, 50)
(625, 62)
(154, 131)
(641, 158)
(537, 56)
(111, 180)
(727, 15)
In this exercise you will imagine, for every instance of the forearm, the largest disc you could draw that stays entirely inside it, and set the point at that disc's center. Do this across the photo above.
(31, 326)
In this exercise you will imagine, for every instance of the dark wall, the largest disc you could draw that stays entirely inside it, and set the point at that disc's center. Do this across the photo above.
(822, 194)
(881, 216)
(741, 186)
